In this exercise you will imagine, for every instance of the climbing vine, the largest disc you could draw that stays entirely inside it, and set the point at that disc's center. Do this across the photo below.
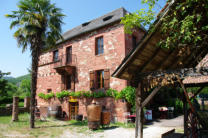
(127, 93)
(185, 26)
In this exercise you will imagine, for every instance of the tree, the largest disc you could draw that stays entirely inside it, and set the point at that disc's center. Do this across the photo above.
(25, 87)
(39, 27)
(184, 27)
(3, 84)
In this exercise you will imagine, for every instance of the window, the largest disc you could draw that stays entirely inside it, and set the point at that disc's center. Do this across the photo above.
(99, 49)
(68, 82)
(85, 24)
(49, 90)
(107, 18)
(100, 79)
(69, 55)
(134, 41)
(55, 56)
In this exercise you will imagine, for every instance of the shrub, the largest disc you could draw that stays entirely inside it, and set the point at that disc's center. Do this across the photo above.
(8, 100)
(87, 94)
(111, 93)
(62, 94)
(99, 94)
(128, 93)
(46, 96)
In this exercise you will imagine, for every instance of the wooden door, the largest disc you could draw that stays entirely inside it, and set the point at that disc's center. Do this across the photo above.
(73, 109)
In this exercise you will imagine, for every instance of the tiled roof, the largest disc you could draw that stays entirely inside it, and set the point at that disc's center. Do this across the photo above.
(99, 22)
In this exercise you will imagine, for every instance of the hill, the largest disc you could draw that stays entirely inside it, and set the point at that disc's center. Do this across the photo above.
(17, 80)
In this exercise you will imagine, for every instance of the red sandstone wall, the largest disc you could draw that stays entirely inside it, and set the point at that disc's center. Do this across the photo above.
(84, 49)
(116, 45)
(128, 39)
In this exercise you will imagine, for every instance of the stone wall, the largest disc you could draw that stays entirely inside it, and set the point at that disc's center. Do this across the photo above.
(116, 46)
(202, 79)
(6, 111)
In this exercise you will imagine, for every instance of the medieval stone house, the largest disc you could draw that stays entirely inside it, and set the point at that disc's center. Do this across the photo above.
(85, 60)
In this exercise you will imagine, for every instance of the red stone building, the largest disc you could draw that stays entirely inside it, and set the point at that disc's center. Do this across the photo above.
(85, 60)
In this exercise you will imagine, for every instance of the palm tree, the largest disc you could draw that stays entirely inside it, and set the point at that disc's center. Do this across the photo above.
(38, 25)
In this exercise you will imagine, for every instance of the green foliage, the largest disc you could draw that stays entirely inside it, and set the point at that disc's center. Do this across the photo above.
(6, 89)
(111, 93)
(62, 94)
(25, 88)
(8, 100)
(99, 94)
(46, 96)
(142, 17)
(87, 94)
(129, 93)
(178, 105)
(37, 21)
(19, 79)
(136, 19)
(185, 26)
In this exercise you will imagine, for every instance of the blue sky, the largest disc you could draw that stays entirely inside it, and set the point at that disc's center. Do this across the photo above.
(77, 12)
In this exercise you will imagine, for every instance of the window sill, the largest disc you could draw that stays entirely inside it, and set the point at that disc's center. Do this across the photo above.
(99, 55)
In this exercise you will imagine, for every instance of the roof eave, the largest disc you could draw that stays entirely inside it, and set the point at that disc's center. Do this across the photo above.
(122, 66)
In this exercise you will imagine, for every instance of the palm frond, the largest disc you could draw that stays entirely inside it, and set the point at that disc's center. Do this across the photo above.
(37, 18)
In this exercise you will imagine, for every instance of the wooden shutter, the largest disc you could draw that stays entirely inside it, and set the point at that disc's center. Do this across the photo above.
(92, 79)
(106, 78)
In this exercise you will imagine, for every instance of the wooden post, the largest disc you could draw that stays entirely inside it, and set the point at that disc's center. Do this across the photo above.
(27, 102)
(185, 115)
(139, 115)
(15, 109)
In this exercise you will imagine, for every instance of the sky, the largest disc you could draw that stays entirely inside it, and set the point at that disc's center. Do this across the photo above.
(77, 12)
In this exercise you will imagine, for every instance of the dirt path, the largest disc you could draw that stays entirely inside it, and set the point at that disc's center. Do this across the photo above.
(153, 130)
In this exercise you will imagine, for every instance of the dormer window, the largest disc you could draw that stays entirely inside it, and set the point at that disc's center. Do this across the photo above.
(55, 55)
(107, 18)
(85, 24)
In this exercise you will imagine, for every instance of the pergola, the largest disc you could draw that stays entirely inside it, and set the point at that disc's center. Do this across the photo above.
(150, 66)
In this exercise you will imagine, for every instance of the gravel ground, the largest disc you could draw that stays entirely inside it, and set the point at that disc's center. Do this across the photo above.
(153, 130)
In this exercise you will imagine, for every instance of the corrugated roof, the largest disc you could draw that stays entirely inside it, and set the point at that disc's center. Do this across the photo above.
(99, 22)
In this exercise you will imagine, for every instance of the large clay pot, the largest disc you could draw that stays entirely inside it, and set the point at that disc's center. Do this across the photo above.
(105, 118)
(93, 116)
(53, 111)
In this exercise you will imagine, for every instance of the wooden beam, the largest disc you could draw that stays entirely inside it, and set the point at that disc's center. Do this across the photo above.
(165, 59)
(197, 92)
(146, 101)
(139, 113)
(150, 59)
(184, 72)
(186, 94)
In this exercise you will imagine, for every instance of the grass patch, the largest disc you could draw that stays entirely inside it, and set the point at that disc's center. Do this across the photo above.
(124, 125)
(21, 104)
(50, 128)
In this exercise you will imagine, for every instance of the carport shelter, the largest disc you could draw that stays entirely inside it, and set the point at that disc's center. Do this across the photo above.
(149, 66)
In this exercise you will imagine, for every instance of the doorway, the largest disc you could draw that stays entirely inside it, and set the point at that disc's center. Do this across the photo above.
(68, 82)
(73, 110)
